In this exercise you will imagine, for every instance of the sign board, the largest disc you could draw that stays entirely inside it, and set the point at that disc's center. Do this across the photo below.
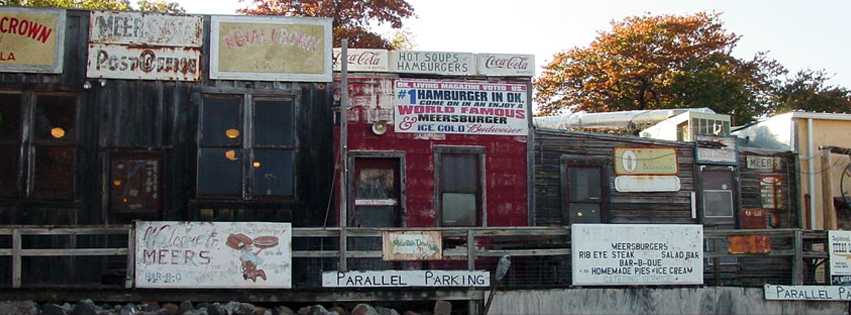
(712, 149)
(432, 62)
(460, 107)
(763, 162)
(405, 278)
(147, 29)
(270, 48)
(637, 254)
(807, 293)
(411, 245)
(754, 219)
(645, 161)
(748, 244)
(32, 40)
(839, 249)
(363, 60)
(144, 63)
(770, 187)
(505, 65)
(647, 183)
(222, 255)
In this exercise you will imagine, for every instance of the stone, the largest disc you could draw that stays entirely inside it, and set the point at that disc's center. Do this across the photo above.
(243, 309)
(364, 309)
(282, 310)
(338, 310)
(150, 307)
(216, 309)
(52, 309)
(411, 313)
(17, 307)
(84, 307)
(385, 311)
(303, 310)
(129, 309)
(169, 309)
(261, 311)
(184, 307)
(317, 310)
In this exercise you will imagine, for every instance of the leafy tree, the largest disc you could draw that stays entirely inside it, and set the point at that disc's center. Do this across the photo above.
(351, 18)
(119, 5)
(652, 62)
(808, 91)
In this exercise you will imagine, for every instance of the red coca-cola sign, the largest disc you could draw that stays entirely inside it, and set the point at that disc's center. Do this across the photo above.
(365, 58)
(510, 63)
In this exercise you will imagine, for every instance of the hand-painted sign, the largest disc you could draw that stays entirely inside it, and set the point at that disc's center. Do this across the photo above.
(807, 293)
(460, 107)
(637, 254)
(712, 149)
(32, 40)
(412, 245)
(770, 187)
(839, 248)
(143, 63)
(505, 65)
(148, 29)
(763, 162)
(645, 161)
(405, 278)
(363, 60)
(225, 255)
(432, 62)
(647, 183)
(270, 48)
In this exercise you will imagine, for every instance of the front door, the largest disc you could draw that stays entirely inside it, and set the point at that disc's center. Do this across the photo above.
(376, 193)
(718, 196)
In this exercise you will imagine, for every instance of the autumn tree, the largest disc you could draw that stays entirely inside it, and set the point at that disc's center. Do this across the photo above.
(808, 90)
(351, 18)
(654, 62)
(119, 5)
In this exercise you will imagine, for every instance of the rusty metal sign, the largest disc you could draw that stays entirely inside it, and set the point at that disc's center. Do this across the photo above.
(411, 245)
(748, 244)
(144, 63)
(754, 219)
(150, 29)
(32, 40)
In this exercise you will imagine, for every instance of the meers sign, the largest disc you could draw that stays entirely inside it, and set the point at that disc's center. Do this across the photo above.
(31, 40)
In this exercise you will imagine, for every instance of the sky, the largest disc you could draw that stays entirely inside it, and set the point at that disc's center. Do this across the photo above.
(800, 35)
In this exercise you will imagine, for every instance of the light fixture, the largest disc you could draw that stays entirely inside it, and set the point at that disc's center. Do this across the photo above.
(87, 85)
(379, 127)
(102, 82)
(57, 132)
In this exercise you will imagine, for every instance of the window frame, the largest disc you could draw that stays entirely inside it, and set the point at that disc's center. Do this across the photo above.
(479, 151)
(605, 165)
(27, 143)
(247, 146)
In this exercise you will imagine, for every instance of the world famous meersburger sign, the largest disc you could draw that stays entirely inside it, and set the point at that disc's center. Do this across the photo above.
(460, 107)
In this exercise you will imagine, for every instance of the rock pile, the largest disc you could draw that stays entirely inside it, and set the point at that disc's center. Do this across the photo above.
(87, 307)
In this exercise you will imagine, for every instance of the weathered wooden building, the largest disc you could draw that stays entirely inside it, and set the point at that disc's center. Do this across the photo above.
(159, 117)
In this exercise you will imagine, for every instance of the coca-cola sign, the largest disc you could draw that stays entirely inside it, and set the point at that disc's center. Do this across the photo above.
(369, 60)
(506, 65)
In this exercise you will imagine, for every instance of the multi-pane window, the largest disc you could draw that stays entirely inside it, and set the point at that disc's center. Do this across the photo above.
(459, 193)
(50, 152)
(135, 183)
(246, 147)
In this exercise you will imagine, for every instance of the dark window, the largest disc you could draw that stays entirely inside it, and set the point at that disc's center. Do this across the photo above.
(459, 186)
(246, 147)
(10, 117)
(584, 194)
(10, 143)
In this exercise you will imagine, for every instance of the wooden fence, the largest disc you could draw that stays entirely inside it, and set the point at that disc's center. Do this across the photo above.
(541, 255)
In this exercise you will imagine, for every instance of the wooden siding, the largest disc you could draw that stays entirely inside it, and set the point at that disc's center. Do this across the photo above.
(658, 207)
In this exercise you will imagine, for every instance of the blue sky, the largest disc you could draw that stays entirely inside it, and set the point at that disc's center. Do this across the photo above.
(799, 34)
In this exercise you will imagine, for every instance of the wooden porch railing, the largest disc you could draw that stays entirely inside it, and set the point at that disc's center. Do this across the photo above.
(537, 244)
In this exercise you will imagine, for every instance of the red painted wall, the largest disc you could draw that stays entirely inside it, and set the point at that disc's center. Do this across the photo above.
(371, 99)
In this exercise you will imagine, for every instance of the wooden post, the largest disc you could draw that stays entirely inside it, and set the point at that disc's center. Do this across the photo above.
(472, 306)
(798, 259)
(16, 258)
(828, 212)
(343, 266)
(131, 258)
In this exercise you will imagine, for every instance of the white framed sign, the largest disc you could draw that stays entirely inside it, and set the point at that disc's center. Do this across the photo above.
(763, 162)
(460, 107)
(505, 65)
(647, 183)
(637, 254)
(713, 149)
(839, 249)
(146, 28)
(432, 62)
(32, 40)
(222, 255)
(807, 293)
(363, 60)
(143, 63)
(405, 278)
(270, 48)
